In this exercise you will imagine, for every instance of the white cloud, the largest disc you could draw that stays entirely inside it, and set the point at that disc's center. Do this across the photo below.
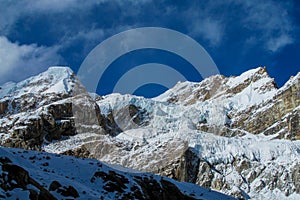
(274, 44)
(271, 20)
(268, 23)
(211, 30)
(201, 23)
(90, 37)
(11, 11)
(18, 62)
(21, 61)
(55, 5)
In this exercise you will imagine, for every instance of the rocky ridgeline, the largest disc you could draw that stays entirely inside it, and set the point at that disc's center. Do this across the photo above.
(67, 117)
(41, 109)
(279, 116)
(56, 84)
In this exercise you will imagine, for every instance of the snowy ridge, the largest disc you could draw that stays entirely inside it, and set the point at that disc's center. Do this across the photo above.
(250, 88)
(54, 80)
(292, 81)
(252, 95)
(235, 81)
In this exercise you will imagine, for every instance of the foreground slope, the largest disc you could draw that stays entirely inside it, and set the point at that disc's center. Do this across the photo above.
(34, 175)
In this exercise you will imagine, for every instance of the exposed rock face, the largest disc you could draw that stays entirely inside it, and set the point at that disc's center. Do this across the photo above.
(164, 190)
(51, 122)
(49, 107)
(281, 112)
(205, 175)
(57, 83)
(129, 117)
(247, 174)
(296, 177)
(188, 168)
(14, 176)
(66, 191)
(81, 152)
(3, 107)
(207, 89)
(30, 112)
(150, 188)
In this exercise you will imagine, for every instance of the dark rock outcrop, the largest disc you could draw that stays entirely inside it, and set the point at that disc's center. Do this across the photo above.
(15, 176)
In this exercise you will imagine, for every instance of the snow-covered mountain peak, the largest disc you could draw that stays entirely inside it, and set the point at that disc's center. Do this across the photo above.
(253, 83)
(54, 80)
(249, 76)
(59, 69)
(52, 85)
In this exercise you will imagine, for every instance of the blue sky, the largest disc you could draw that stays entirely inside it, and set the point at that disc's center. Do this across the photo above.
(238, 35)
